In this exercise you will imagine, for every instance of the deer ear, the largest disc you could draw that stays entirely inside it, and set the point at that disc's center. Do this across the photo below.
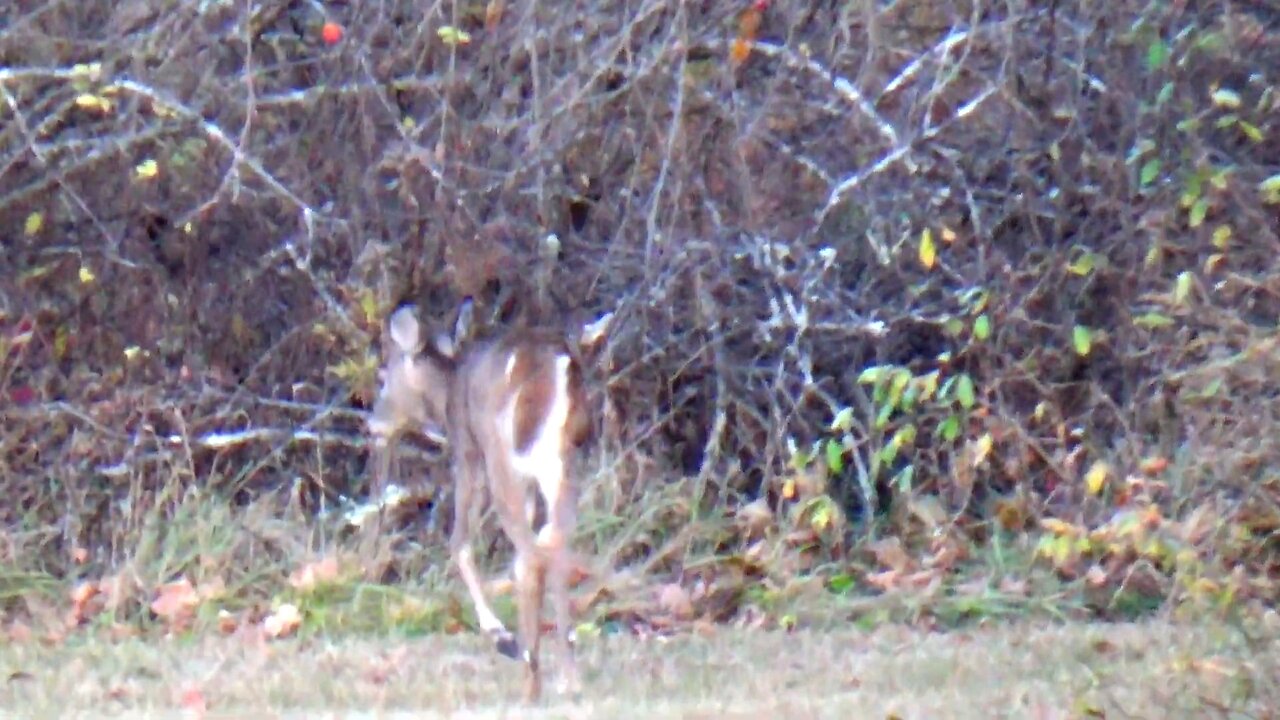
(593, 333)
(445, 345)
(462, 327)
(404, 329)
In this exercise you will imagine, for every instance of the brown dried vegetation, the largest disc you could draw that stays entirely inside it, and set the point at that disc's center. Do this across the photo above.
(1051, 235)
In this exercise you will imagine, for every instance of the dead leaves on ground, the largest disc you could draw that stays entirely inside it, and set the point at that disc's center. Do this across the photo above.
(178, 605)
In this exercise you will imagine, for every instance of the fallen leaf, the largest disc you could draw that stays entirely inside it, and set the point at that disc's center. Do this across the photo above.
(674, 600)
(227, 623)
(1013, 586)
(316, 573)
(283, 622)
(19, 632)
(889, 553)
(754, 518)
(887, 580)
(176, 602)
(192, 700)
(1154, 465)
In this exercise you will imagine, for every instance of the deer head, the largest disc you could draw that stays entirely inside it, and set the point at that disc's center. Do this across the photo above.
(513, 408)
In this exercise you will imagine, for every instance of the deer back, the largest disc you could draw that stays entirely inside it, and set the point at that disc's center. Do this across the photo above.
(529, 378)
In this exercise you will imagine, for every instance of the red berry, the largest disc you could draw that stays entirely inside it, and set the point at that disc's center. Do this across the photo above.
(331, 33)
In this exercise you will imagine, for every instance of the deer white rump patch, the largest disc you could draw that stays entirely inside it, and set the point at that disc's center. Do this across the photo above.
(543, 460)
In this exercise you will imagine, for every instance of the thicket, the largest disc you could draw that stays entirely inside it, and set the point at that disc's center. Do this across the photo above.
(973, 304)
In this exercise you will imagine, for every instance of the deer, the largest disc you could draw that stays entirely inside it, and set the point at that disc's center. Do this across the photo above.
(512, 408)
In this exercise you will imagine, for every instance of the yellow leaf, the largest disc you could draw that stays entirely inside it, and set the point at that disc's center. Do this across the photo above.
(86, 275)
(1222, 236)
(91, 71)
(982, 449)
(89, 101)
(1096, 478)
(147, 169)
(453, 36)
(789, 489)
(369, 306)
(928, 251)
(1058, 527)
(61, 337)
(35, 221)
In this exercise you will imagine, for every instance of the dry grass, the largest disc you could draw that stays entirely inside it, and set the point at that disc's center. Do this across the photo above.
(1152, 669)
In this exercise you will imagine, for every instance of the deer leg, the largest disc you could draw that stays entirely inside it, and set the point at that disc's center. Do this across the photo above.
(460, 548)
(553, 542)
(530, 583)
(509, 502)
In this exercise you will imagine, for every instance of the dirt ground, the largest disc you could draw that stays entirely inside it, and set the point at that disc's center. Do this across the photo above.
(1147, 670)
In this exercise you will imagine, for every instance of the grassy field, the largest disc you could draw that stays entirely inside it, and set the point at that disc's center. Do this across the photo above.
(1146, 670)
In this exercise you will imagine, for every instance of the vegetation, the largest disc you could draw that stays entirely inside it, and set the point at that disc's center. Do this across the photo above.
(929, 312)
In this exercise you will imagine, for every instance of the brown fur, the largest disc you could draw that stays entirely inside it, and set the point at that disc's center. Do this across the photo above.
(465, 394)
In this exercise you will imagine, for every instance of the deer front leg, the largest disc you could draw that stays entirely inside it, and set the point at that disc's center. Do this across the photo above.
(460, 549)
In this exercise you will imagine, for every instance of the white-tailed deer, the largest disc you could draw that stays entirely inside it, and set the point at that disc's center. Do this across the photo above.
(513, 409)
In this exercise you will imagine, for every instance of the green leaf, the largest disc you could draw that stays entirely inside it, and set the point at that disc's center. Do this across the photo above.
(882, 417)
(1157, 54)
(835, 456)
(928, 251)
(1225, 98)
(1084, 264)
(1270, 190)
(905, 435)
(843, 420)
(1182, 287)
(1081, 339)
(949, 429)
(872, 374)
(901, 377)
(965, 392)
(1150, 171)
(908, 401)
(1198, 211)
(1165, 95)
(982, 327)
(841, 583)
(1251, 131)
(929, 385)
(1153, 320)
(904, 478)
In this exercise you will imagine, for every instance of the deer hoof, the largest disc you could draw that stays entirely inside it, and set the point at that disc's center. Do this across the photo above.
(506, 644)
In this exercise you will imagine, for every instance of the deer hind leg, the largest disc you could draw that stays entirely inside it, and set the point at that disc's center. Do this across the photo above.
(508, 495)
(464, 505)
(553, 542)
(531, 584)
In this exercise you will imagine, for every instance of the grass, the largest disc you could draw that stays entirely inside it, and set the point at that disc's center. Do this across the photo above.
(377, 625)
(1153, 669)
